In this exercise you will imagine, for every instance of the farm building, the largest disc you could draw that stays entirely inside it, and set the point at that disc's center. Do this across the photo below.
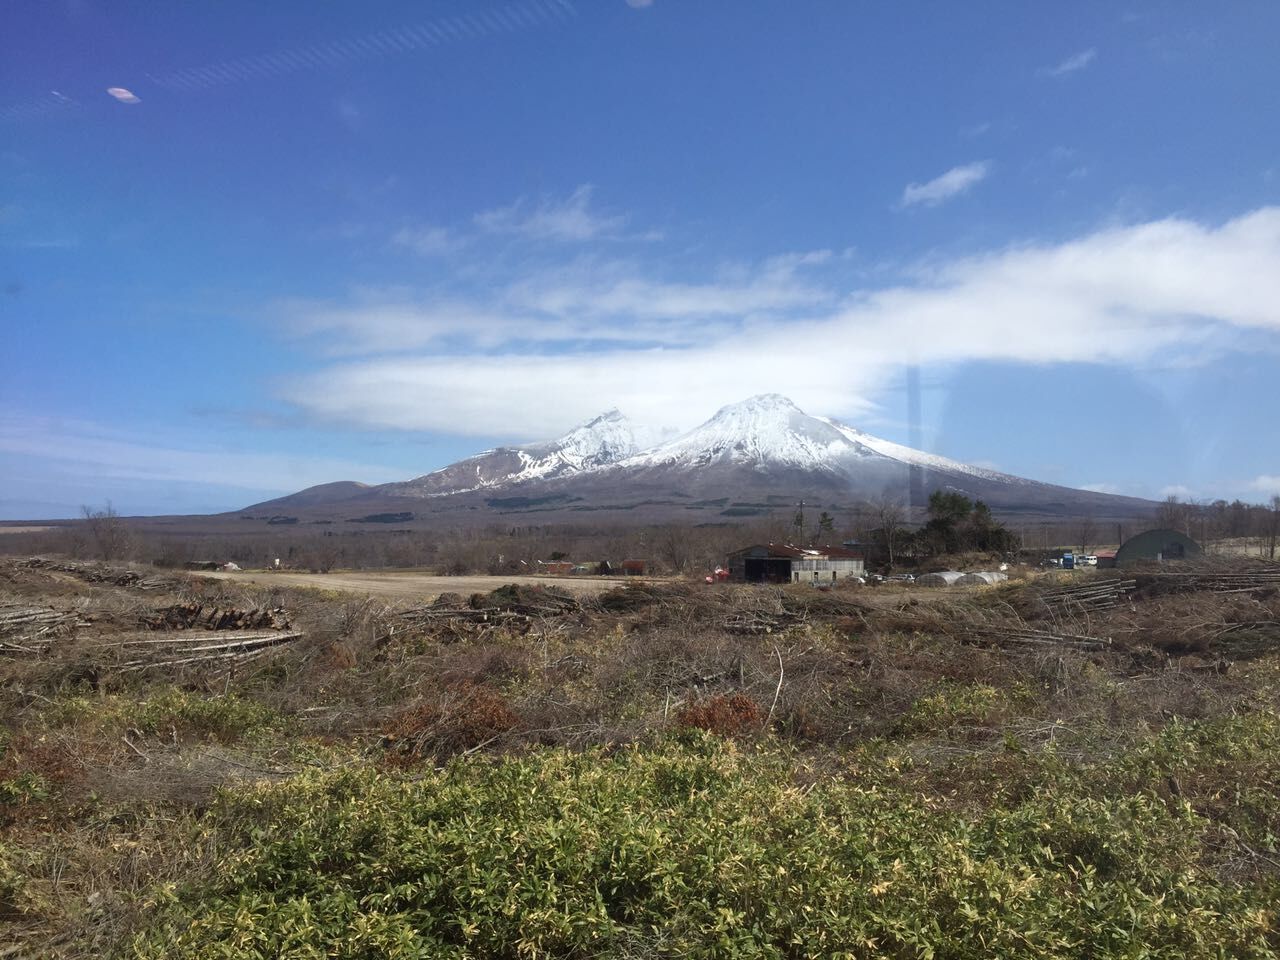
(557, 568)
(984, 577)
(1106, 559)
(944, 578)
(787, 563)
(1157, 545)
(634, 568)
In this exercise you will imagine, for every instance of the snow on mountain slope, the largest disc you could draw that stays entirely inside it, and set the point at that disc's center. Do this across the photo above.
(918, 458)
(766, 430)
(599, 442)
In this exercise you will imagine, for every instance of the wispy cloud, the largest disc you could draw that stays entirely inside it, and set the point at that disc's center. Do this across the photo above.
(1102, 488)
(1177, 490)
(1072, 64)
(585, 301)
(672, 350)
(427, 241)
(1266, 484)
(85, 448)
(380, 44)
(954, 182)
(570, 219)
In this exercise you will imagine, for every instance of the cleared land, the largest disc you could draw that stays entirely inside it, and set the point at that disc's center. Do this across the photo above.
(1068, 764)
(421, 586)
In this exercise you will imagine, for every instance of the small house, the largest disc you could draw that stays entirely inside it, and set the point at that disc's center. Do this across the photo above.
(788, 563)
(634, 568)
(558, 568)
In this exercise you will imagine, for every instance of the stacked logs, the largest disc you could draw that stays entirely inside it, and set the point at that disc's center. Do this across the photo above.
(98, 573)
(224, 649)
(30, 630)
(185, 616)
(1098, 595)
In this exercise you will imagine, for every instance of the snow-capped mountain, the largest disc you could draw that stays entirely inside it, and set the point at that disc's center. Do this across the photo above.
(599, 442)
(749, 456)
(769, 433)
(764, 431)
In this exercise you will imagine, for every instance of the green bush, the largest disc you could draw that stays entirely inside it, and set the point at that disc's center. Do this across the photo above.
(225, 718)
(694, 847)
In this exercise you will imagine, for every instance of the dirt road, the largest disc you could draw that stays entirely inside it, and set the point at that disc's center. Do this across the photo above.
(421, 586)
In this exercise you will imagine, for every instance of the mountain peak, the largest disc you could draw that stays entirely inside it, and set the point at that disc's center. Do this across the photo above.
(612, 415)
(762, 403)
(766, 430)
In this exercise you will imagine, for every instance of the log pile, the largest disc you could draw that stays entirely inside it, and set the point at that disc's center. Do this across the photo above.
(99, 573)
(528, 601)
(186, 616)
(214, 650)
(1028, 637)
(754, 622)
(29, 629)
(1098, 595)
(1160, 584)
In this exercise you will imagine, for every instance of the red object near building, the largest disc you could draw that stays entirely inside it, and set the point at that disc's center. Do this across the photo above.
(634, 568)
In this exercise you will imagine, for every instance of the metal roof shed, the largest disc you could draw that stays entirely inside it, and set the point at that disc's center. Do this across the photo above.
(1158, 545)
(985, 577)
(944, 578)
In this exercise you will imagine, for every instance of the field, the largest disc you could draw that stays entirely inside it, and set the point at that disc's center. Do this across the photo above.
(396, 583)
(1067, 765)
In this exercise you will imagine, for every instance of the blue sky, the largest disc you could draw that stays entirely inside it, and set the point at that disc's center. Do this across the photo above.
(249, 247)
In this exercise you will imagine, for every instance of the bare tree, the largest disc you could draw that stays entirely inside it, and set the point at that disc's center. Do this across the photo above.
(1088, 531)
(108, 533)
(1173, 514)
(1275, 523)
(890, 515)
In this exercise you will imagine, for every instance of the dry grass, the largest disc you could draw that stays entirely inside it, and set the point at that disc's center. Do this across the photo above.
(100, 762)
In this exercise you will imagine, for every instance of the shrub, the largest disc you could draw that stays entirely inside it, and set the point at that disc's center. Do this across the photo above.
(691, 847)
(170, 711)
(729, 715)
(464, 719)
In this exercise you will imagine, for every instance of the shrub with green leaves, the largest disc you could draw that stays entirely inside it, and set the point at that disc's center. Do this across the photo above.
(225, 718)
(694, 847)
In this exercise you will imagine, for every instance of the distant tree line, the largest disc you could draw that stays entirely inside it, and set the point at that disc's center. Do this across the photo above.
(885, 529)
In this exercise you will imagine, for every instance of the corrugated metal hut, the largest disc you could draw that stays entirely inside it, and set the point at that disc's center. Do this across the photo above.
(944, 578)
(1158, 545)
(984, 577)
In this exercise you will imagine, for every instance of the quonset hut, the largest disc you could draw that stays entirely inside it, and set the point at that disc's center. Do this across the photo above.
(787, 563)
(943, 578)
(1157, 545)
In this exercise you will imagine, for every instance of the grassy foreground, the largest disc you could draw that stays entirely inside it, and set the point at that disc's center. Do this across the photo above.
(661, 773)
(693, 846)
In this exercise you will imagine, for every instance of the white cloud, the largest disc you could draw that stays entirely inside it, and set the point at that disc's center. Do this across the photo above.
(954, 182)
(1110, 488)
(123, 95)
(671, 351)
(1266, 484)
(1072, 64)
(571, 219)
(1177, 490)
(585, 300)
(86, 449)
(427, 241)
